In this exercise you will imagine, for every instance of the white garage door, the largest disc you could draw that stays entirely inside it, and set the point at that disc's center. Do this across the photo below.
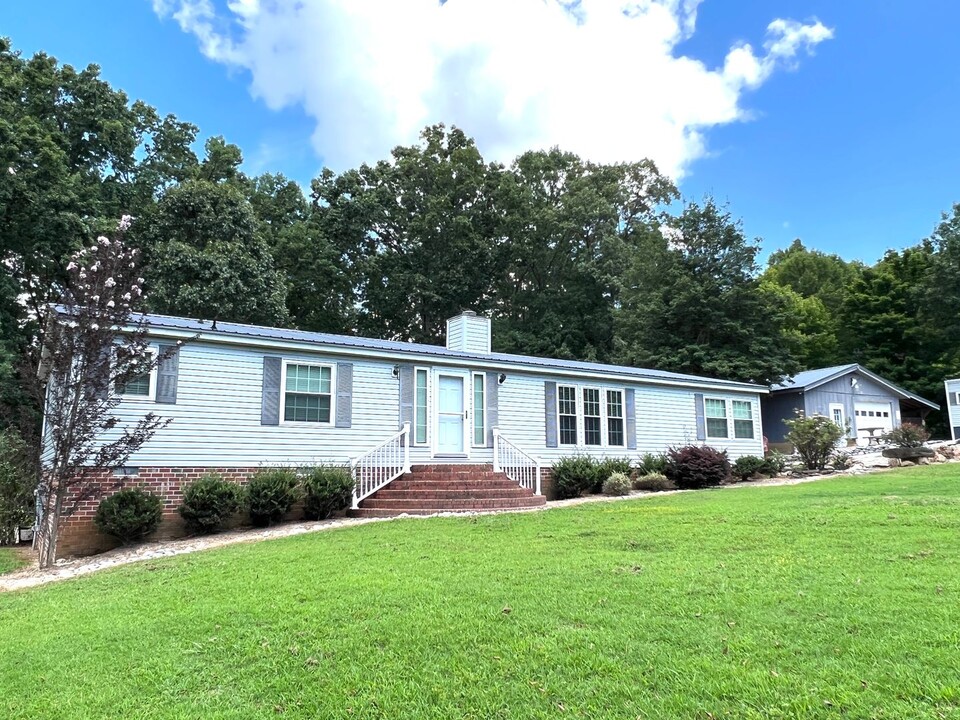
(875, 417)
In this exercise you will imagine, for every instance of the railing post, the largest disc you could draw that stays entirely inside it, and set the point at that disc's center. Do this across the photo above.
(354, 502)
(538, 478)
(406, 446)
(496, 449)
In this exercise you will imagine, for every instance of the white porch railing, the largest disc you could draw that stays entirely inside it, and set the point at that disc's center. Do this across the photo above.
(384, 463)
(513, 462)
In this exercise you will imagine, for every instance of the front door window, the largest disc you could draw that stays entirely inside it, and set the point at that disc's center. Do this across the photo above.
(450, 415)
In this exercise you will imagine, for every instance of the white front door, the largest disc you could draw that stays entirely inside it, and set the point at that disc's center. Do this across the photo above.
(451, 415)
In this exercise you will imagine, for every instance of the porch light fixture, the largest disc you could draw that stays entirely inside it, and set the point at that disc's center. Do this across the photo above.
(501, 378)
(396, 371)
(854, 383)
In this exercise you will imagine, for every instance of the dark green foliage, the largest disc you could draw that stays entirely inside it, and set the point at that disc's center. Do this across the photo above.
(653, 482)
(129, 514)
(691, 302)
(841, 461)
(575, 475)
(209, 502)
(607, 467)
(908, 435)
(697, 466)
(650, 463)
(270, 495)
(814, 438)
(744, 468)
(774, 463)
(329, 489)
(17, 483)
(616, 484)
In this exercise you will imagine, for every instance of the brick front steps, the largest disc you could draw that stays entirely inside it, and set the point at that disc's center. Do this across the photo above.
(430, 489)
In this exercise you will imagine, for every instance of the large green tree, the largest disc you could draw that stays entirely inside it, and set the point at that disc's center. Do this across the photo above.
(563, 240)
(414, 233)
(206, 257)
(691, 302)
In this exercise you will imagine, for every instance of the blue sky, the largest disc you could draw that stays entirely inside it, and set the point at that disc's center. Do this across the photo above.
(842, 133)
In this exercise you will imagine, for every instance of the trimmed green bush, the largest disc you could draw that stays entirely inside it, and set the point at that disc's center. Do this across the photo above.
(744, 468)
(814, 438)
(650, 464)
(573, 476)
(129, 514)
(617, 484)
(774, 464)
(653, 482)
(209, 502)
(329, 488)
(270, 495)
(607, 467)
(908, 435)
(697, 466)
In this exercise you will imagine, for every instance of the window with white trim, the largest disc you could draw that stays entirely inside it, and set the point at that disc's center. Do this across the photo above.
(743, 419)
(592, 425)
(420, 405)
(615, 436)
(567, 414)
(307, 393)
(479, 411)
(141, 385)
(715, 411)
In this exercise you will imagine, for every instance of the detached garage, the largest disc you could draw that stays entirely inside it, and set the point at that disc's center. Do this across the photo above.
(852, 396)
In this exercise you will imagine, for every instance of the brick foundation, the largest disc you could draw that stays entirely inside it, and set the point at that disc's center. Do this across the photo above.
(79, 536)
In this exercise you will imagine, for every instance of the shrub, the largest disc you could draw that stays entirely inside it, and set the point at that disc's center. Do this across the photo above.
(329, 489)
(774, 463)
(747, 466)
(617, 484)
(651, 464)
(129, 514)
(814, 438)
(607, 467)
(270, 495)
(208, 502)
(841, 461)
(653, 482)
(908, 435)
(573, 476)
(16, 487)
(697, 466)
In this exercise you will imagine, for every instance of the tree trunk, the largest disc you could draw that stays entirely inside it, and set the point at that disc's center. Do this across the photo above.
(49, 531)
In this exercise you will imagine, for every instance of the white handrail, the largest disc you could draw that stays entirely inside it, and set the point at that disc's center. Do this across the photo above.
(381, 465)
(516, 464)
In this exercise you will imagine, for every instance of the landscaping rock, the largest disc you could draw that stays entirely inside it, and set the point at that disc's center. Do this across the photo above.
(910, 453)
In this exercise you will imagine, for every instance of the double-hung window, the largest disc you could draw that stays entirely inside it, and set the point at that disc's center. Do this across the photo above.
(716, 414)
(567, 412)
(743, 419)
(615, 418)
(421, 394)
(307, 393)
(138, 386)
(592, 429)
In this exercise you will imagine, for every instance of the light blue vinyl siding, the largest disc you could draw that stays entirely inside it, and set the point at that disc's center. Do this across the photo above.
(841, 391)
(216, 421)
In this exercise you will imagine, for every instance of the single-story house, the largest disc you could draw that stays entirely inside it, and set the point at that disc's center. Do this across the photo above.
(243, 396)
(852, 396)
(953, 406)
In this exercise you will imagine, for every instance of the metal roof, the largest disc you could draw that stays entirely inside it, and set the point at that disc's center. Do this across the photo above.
(249, 334)
(809, 379)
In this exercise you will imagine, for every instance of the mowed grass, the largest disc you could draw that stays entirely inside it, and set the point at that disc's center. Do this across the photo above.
(10, 560)
(839, 598)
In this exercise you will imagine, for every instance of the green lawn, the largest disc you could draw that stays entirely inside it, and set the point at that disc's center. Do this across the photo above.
(839, 598)
(10, 559)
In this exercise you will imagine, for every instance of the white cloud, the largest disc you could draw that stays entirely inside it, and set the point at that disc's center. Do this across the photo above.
(597, 77)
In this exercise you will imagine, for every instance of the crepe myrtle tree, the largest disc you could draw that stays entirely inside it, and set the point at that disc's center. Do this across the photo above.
(93, 342)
